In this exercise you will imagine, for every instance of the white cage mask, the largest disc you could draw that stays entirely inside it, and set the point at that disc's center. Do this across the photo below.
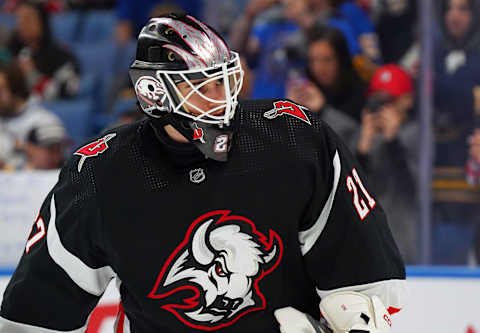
(157, 91)
(181, 50)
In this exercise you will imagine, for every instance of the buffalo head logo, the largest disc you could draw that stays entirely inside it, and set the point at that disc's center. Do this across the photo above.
(211, 279)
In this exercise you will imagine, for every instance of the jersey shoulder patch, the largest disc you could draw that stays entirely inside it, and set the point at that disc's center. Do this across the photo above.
(116, 139)
(288, 108)
(93, 149)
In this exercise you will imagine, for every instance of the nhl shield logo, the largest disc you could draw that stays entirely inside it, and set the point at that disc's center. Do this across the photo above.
(197, 175)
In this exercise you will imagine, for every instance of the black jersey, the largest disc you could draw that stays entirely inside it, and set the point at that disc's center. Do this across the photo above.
(197, 244)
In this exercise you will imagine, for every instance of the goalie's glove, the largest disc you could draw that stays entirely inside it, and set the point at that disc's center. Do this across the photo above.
(355, 312)
(345, 312)
(293, 321)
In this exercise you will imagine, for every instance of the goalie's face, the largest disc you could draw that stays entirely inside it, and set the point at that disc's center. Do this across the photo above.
(209, 95)
(204, 97)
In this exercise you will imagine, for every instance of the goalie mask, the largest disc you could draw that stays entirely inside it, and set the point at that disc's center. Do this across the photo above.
(179, 62)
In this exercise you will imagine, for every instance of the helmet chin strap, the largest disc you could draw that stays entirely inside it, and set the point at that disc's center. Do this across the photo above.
(214, 142)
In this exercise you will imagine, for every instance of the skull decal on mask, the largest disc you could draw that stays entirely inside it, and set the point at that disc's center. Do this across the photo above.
(150, 91)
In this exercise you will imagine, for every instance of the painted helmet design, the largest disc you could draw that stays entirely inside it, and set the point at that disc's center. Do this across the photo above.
(175, 49)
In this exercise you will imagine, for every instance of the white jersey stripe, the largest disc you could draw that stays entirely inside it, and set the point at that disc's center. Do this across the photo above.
(8, 326)
(393, 293)
(121, 315)
(126, 325)
(92, 280)
(308, 237)
(122, 319)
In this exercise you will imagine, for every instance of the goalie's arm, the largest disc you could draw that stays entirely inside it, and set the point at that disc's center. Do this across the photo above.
(345, 238)
(61, 274)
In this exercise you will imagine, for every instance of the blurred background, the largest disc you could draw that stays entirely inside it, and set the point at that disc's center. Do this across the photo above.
(398, 80)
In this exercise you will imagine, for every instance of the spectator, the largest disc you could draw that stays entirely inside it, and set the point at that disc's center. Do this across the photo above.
(457, 99)
(45, 147)
(52, 6)
(17, 116)
(51, 71)
(89, 4)
(388, 152)
(362, 27)
(366, 5)
(306, 92)
(5, 31)
(332, 78)
(132, 16)
(396, 22)
(260, 31)
(459, 27)
(271, 37)
(457, 73)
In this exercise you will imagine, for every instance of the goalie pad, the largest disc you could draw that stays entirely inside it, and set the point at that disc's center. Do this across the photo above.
(355, 312)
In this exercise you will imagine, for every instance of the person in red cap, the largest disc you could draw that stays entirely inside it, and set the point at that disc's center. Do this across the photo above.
(387, 150)
(391, 79)
(391, 92)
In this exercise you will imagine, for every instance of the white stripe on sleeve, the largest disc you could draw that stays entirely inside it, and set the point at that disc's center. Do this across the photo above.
(8, 326)
(92, 280)
(126, 325)
(308, 237)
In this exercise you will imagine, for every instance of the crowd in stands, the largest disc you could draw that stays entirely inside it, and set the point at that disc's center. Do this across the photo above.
(64, 78)
(24, 125)
(457, 105)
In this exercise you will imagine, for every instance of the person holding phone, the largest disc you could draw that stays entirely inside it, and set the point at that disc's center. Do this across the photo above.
(387, 149)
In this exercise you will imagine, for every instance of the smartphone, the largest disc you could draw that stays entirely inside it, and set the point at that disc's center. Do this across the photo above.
(376, 101)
